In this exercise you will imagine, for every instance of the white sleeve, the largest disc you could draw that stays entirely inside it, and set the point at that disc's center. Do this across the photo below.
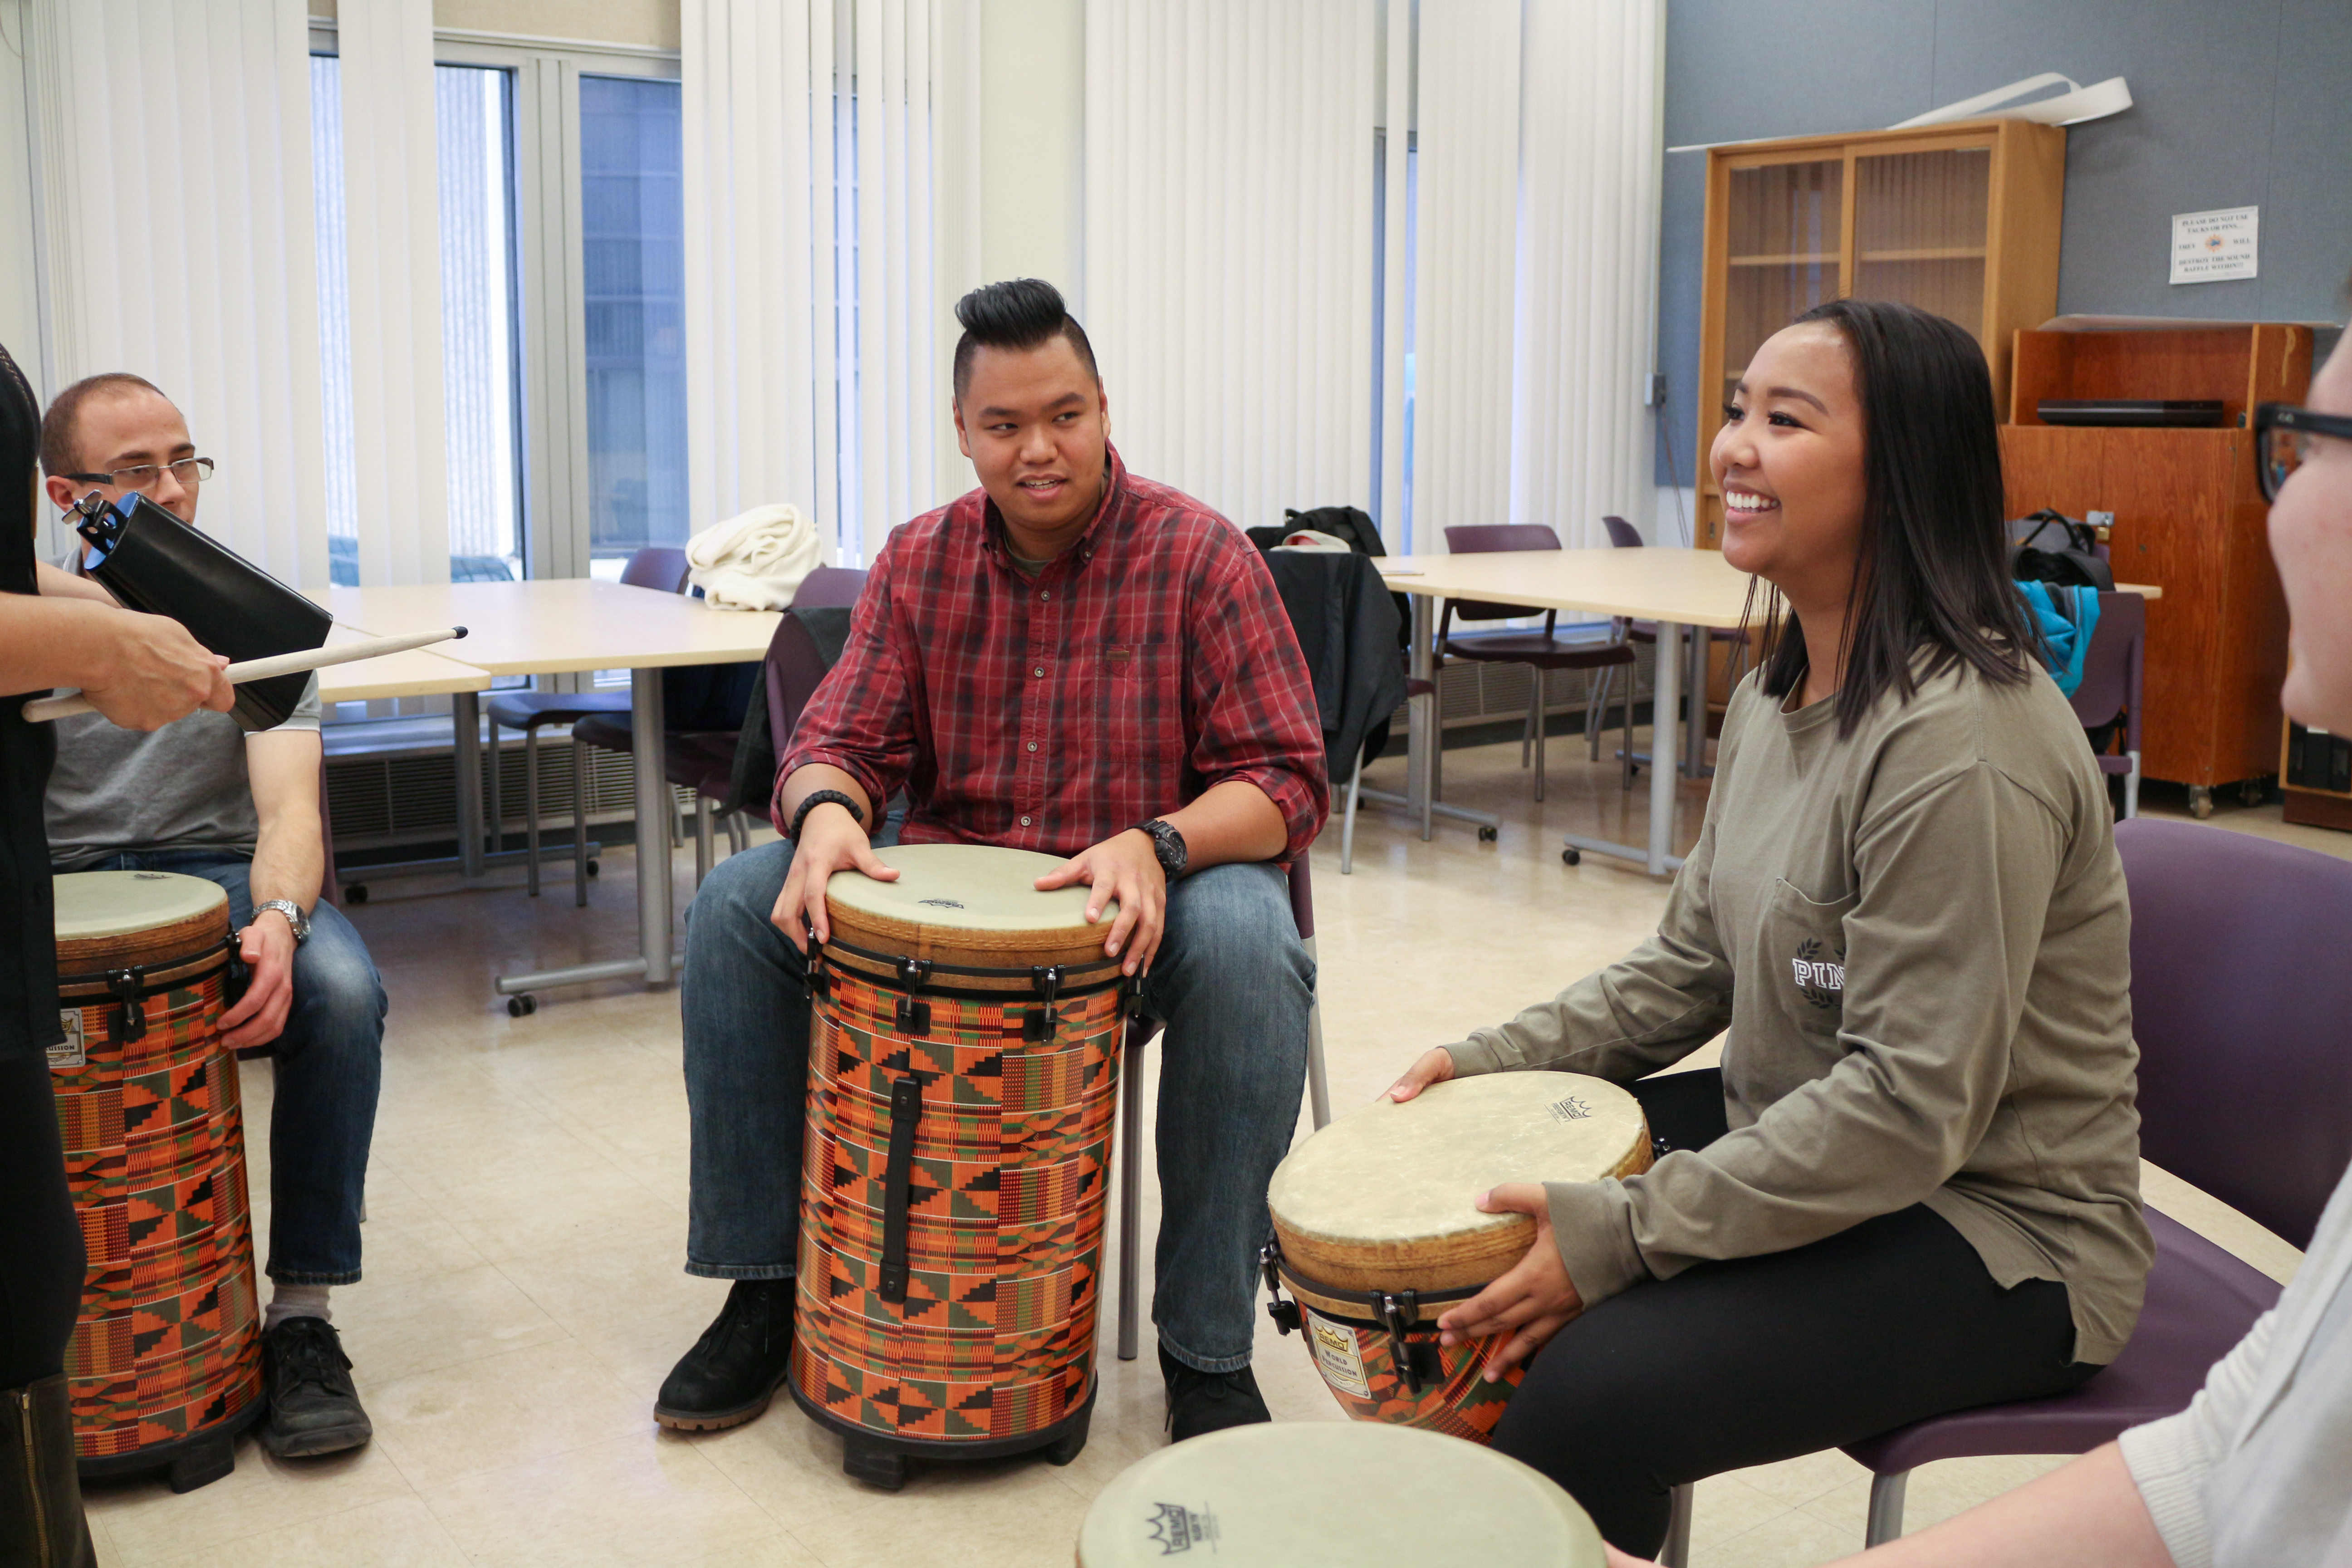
(2171, 1461)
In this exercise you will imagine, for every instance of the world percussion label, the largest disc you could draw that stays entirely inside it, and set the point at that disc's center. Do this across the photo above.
(1336, 1355)
(69, 1054)
(1174, 1528)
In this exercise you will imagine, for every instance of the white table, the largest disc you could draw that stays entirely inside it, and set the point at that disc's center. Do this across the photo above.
(419, 672)
(1675, 588)
(558, 626)
(1679, 589)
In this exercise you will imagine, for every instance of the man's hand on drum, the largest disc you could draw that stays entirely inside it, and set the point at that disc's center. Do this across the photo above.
(1123, 869)
(831, 840)
(1532, 1302)
(1433, 1067)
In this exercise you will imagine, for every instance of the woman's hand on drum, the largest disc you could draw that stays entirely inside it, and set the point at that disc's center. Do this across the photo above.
(1532, 1302)
(831, 840)
(1123, 869)
(1434, 1066)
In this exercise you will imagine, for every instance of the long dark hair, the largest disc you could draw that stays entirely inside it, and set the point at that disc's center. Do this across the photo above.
(1933, 570)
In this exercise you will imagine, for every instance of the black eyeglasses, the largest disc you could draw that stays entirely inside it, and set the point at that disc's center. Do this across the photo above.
(2283, 438)
(189, 471)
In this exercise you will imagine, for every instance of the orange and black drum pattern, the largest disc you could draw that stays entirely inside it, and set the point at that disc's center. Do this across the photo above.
(1358, 1366)
(994, 1338)
(168, 1344)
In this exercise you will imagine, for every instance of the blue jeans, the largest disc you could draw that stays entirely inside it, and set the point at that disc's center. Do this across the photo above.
(1232, 982)
(326, 1065)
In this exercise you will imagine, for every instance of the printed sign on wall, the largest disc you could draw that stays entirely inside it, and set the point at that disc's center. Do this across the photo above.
(2209, 246)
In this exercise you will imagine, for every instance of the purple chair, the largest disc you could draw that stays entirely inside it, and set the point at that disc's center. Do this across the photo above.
(2110, 689)
(1130, 1158)
(829, 588)
(659, 567)
(2242, 1092)
(1541, 651)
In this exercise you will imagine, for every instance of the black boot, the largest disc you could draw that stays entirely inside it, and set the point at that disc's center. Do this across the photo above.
(41, 1523)
(733, 1369)
(314, 1407)
(1200, 1403)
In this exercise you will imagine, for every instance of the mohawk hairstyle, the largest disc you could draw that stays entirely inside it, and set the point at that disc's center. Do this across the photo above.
(59, 426)
(1020, 313)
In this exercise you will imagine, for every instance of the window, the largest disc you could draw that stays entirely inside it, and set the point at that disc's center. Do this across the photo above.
(481, 400)
(632, 263)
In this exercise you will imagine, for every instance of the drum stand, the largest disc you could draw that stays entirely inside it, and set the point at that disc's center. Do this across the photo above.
(186, 1463)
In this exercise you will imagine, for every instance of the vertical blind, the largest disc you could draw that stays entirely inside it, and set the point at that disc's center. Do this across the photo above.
(812, 349)
(175, 138)
(1228, 245)
(391, 226)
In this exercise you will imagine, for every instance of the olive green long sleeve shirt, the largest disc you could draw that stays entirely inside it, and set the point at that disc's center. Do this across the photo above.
(1918, 938)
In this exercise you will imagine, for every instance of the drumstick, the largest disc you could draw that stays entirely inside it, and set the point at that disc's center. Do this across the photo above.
(70, 702)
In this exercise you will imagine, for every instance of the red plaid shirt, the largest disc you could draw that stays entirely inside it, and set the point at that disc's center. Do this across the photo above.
(1150, 661)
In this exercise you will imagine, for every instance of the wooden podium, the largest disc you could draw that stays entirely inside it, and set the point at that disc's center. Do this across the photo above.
(2188, 517)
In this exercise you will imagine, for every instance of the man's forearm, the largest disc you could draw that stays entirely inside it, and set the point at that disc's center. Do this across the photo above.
(2088, 1515)
(804, 782)
(288, 863)
(1232, 821)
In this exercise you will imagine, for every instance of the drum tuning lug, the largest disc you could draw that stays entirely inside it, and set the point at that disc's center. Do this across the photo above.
(1284, 1315)
(913, 1017)
(820, 982)
(1040, 1025)
(1393, 1319)
(129, 1021)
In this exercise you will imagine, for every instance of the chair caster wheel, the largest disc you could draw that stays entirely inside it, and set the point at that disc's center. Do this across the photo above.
(2200, 802)
(521, 1007)
(356, 893)
(1571, 857)
(594, 866)
(2251, 792)
(1485, 835)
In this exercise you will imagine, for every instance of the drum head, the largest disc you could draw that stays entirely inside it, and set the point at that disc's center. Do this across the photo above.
(117, 903)
(965, 887)
(1303, 1494)
(1399, 1183)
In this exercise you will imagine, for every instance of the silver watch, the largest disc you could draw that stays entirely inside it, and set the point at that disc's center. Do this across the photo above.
(294, 917)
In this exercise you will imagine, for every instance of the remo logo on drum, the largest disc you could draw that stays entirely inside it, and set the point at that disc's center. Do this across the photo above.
(1177, 1529)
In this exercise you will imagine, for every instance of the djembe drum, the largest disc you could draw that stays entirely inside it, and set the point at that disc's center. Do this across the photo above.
(1377, 1233)
(963, 1075)
(1327, 1494)
(166, 1364)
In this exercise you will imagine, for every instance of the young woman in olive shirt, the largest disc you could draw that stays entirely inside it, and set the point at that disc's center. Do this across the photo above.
(1912, 1187)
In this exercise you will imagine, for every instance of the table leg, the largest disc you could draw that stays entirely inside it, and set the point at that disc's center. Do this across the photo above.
(1695, 734)
(1421, 716)
(654, 810)
(466, 719)
(1666, 734)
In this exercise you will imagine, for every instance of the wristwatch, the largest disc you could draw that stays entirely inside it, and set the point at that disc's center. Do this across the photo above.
(1167, 845)
(293, 913)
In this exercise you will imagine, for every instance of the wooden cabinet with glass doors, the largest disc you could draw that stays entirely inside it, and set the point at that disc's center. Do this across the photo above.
(1959, 220)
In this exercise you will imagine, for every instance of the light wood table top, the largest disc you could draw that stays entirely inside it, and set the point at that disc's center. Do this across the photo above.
(418, 672)
(555, 625)
(1693, 587)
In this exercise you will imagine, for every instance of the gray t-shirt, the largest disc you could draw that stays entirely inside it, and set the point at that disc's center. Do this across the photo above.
(183, 786)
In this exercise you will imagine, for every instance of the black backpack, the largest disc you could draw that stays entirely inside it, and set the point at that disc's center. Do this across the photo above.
(2075, 564)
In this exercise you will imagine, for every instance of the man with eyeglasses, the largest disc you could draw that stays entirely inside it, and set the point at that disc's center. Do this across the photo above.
(203, 798)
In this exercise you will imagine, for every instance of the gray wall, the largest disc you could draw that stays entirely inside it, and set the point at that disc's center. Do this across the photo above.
(2239, 104)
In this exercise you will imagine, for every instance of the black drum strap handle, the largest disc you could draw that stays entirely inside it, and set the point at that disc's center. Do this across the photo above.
(906, 1113)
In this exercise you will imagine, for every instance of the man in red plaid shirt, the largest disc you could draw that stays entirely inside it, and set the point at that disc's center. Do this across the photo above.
(1068, 660)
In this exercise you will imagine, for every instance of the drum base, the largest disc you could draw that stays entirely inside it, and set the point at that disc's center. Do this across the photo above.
(881, 1461)
(187, 1463)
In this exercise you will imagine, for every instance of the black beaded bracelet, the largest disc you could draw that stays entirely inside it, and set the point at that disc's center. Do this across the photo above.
(815, 800)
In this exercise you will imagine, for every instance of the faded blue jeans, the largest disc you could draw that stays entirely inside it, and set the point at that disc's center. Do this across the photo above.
(326, 1067)
(1230, 982)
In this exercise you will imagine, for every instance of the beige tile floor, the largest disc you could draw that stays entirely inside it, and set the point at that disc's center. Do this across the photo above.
(526, 1203)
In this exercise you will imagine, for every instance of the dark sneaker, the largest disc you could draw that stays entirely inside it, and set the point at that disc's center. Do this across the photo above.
(733, 1369)
(1202, 1402)
(313, 1408)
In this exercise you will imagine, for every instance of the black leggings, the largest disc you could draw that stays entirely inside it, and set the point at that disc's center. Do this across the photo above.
(40, 1241)
(1757, 1358)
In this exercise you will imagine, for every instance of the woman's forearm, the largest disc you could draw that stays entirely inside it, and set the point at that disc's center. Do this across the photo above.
(60, 640)
(2088, 1515)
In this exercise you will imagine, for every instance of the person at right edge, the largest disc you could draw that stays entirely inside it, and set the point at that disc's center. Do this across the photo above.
(141, 672)
(1913, 1185)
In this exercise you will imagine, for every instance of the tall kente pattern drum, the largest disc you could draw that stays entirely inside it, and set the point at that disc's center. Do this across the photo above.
(964, 1076)
(1377, 1231)
(166, 1364)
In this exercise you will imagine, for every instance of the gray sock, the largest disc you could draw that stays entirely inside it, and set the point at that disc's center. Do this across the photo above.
(296, 1301)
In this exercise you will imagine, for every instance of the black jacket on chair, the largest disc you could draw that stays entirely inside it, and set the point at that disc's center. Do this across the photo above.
(1346, 628)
